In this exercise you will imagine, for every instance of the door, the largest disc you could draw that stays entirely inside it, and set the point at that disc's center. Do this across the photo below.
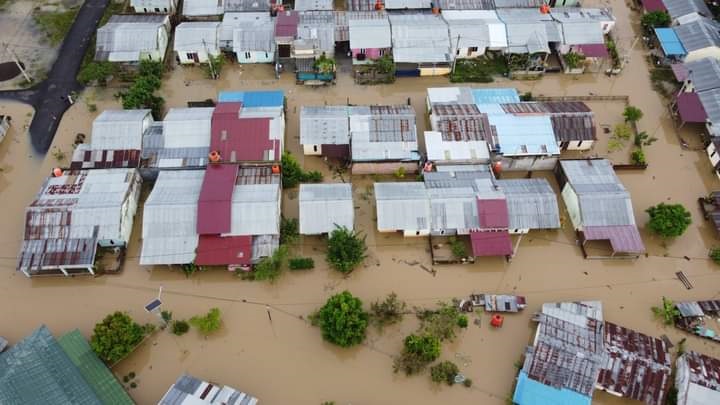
(284, 51)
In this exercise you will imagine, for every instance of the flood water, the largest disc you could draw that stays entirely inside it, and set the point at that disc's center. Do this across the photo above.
(285, 360)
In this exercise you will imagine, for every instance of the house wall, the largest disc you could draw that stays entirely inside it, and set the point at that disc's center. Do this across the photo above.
(519, 231)
(255, 57)
(714, 157)
(383, 167)
(465, 53)
(709, 52)
(312, 150)
(576, 145)
(153, 6)
(370, 53)
(159, 53)
(573, 206)
(528, 163)
(129, 207)
(201, 53)
(434, 70)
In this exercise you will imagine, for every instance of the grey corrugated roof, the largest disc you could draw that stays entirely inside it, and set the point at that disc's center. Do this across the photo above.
(369, 34)
(190, 36)
(406, 4)
(323, 207)
(711, 103)
(532, 204)
(319, 28)
(119, 129)
(383, 133)
(325, 125)
(574, 312)
(518, 3)
(588, 175)
(466, 4)
(450, 95)
(402, 206)
(199, 8)
(528, 37)
(255, 209)
(679, 8)
(418, 38)
(689, 309)
(187, 390)
(124, 37)
(606, 209)
(577, 14)
(307, 5)
(582, 33)
(470, 32)
(699, 34)
(704, 73)
(253, 37)
(247, 5)
(232, 21)
(453, 209)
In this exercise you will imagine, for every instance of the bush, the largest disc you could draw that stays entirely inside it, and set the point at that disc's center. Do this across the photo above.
(180, 327)
(440, 323)
(655, 19)
(217, 63)
(643, 139)
(458, 248)
(293, 174)
(270, 268)
(667, 313)
(55, 24)
(342, 320)
(444, 371)
(638, 157)
(166, 316)
(189, 269)
(632, 114)
(142, 92)
(387, 312)
(462, 321)
(346, 249)
(289, 230)
(622, 131)
(116, 336)
(468, 382)
(400, 173)
(207, 323)
(668, 220)
(301, 263)
(418, 352)
(385, 64)
(97, 72)
(714, 255)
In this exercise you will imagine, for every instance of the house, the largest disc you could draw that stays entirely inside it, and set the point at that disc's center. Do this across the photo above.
(472, 32)
(403, 207)
(313, 5)
(524, 142)
(700, 38)
(325, 131)
(369, 39)
(249, 6)
(599, 207)
(453, 5)
(249, 36)
(697, 379)
(286, 31)
(713, 151)
(189, 390)
(698, 317)
(73, 216)
(180, 141)
(154, 6)
(315, 35)
(325, 207)
(684, 11)
(41, 369)
(528, 33)
(460, 134)
(383, 139)
(202, 9)
(115, 142)
(583, 33)
(196, 42)
(532, 204)
(573, 122)
(518, 4)
(132, 38)
(700, 76)
(421, 44)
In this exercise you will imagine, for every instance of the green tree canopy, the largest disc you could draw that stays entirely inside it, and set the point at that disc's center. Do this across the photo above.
(346, 249)
(632, 114)
(655, 19)
(668, 220)
(418, 352)
(207, 323)
(343, 320)
(116, 336)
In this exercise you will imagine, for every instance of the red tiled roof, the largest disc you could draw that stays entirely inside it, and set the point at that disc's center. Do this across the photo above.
(623, 238)
(215, 250)
(690, 108)
(492, 214)
(241, 139)
(215, 205)
(491, 243)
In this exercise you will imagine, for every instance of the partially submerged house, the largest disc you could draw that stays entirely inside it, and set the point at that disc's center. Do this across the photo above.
(73, 216)
(189, 390)
(370, 39)
(583, 33)
(197, 42)
(600, 208)
(573, 122)
(700, 38)
(203, 9)
(697, 379)
(473, 32)
(460, 135)
(315, 36)
(115, 142)
(532, 204)
(154, 6)
(524, 142)
(250, 36)
(403, 207)
(286, 31)
(325, 207)
(529, 34)
(132, 38)
(249, 6)
(325, 131)
(41, 369)
(672, 49)
(698, 318)
(421, 45)
(684, 11)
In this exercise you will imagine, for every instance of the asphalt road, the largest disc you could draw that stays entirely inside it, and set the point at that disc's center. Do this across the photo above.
(49, 98)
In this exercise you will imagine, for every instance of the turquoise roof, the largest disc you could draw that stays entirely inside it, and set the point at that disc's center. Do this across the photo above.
(531, 392)
(495, 96)
(670, 42)
(265, 98)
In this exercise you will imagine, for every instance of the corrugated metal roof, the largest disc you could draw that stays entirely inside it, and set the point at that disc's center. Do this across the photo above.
(711, 103)
(256, 209)
(239, 139)
(253, 98)
(406, 4)
(479, 28)
(466, 5)
(86, 158)
(318, 27)
(190, 390)
(582, 33)
(578, 14)
(247, 5)
(197, 35)
(187, 127)
(119, 129)
(383, 133)
(418, 38)
(490, 243)
(494, 95)
(492, 213)
(669, 42)
(591, 175)
(698, 379)
(452, 209)
(200, 8)
(254, 37)
(123, 38)
(215, 203)
(622, 238)
(446, 95)
(532, 204)
(402, 206)
(689, 309)
(518, 4)
(438, 149)
(577, 312)
(216, 250)
(286, 24)
(704, 74)
(523, 135)
(308, 5)
(323, 207)
(461, 122)
(325, 125)
(531, 392)
(369, 34)
(698, 34)
(244, 21)
(679, 8)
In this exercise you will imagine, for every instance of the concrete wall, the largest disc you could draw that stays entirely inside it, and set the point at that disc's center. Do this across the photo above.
(153, 6)
(434, 71)
(573, 206)
(202, 55)
(577, 145)
(370, 53)
(255, 56)
(129, 207)
(312, 150)
(528, 163)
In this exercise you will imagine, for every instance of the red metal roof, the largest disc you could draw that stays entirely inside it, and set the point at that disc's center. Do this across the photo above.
(491, 243)
(593, 50)
(492, 213)
(286, 24)
(241, 139)
(623, 238)
(215, 250)
(690, 108)
(653, 5)
(215, 204)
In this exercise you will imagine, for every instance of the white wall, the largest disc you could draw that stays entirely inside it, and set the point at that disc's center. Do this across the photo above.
(254, 56)
(573, 206)
(312, 150)
(150, 6)
(580, 145)
(709, 52)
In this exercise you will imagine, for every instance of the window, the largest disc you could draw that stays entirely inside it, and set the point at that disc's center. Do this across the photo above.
(189, 55)
(247, 55)
(145, 10)
(473, 49)
(314, 148)
(382, 52)
(579, 144)
(165, 9)
(457, 52)
(266, 55)
(157, 10)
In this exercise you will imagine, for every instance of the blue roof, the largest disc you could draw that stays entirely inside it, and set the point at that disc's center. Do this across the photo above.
(531, 392)
(670, 42)
(268, 98)
(495, 96)
(524, 134)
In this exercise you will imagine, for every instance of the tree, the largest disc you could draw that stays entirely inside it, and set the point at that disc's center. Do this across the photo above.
(632, 114)
(323, 64)
(655, 19)
(418, 352)
(573, 59)
(385, 64)
(293, 174)
(668, 220)
(289, 230)
(667, 313)
(97, 72)
(643, 139)
(116, 336)
(714, 255)
(387, 312)
(442, 322)
(142, 92)
(180, 327)
(342, 320)
(346, 249)
(301, 263)
(270, 268)
(445, 371)
(638, 157)
(207, 323)
(458, 248)
(214, 66)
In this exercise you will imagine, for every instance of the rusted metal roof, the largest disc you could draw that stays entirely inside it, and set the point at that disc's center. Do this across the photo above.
(698, 379)
(571, 120)
(638, 366)
(86, 158)
(461, 122)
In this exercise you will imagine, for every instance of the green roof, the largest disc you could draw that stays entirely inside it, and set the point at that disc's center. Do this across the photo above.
(37, 371)
(100, 378)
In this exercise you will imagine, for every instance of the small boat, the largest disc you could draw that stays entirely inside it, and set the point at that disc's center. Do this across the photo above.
(493, 303)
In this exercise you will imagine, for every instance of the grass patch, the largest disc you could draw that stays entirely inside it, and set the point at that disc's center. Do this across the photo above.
(480, 70)
(55, 24)
(663, 80)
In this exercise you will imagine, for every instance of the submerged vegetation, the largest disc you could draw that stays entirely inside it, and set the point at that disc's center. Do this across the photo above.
(479, 70)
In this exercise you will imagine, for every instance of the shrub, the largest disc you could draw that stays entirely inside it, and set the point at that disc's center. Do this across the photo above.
(190, 268)
(462, 321)
(458, 248)
(301, 263)
(141, 93)
(440, 323)
(668, 220)
(445, 371)
(655, 19)
(468, 382)
(385, 64)
(632, 114)
(270, 268)
(166, 316)
(97, 72)
(346, 249)
(638, 157)
(214, 66)
(667, 313)
(207, 323)
(293, 174)
(180, 327)
(289, 230)
(116, 336)
(418, 352)
(400, 172)
(622, 131)
(342, 320)
(643, 139)
(714, 255)
(387, 312)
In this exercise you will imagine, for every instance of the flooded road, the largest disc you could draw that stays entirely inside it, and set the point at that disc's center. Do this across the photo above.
(285, 360)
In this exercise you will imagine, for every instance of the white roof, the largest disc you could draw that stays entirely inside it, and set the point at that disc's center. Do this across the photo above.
(476, 28)
(255, 209)
(325, 125)
(197, 8)
(323, 207)
(248, 21)
(524, 135)
(170, 218)
(369, 34)
(125, 37)
(418, 38)
(312, 5)
(190, 36)
(402, 206)
(187, 127)
(403, 4)
(699, 395)
(119, 129)
(460, 95)
(441, 150)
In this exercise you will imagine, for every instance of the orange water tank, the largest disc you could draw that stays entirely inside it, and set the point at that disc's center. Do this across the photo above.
(497, 167)
(57, 172)
(379, 5)
(544, 9)
(275, 169)
(214, 156)
(497, 320)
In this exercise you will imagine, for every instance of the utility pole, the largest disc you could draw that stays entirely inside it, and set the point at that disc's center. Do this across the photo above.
(210, 61)
(455, 55)
(17, 62)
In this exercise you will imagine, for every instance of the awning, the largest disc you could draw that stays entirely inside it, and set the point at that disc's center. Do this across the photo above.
(680, 71)
(491, 243)
(690, 108)
(670, 42)
(215, 250)
(653, 5)
(623, 238)
(593, 50)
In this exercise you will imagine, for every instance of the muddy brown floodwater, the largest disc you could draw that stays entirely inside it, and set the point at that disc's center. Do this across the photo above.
(286, 361)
